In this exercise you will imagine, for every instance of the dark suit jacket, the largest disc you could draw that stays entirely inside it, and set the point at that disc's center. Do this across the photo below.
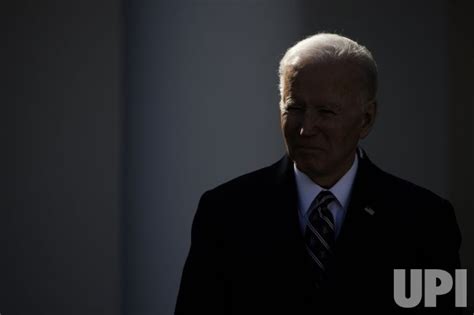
(247, 251)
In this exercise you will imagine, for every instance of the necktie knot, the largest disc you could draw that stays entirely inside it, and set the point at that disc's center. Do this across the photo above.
(321, 203)
(324, 198)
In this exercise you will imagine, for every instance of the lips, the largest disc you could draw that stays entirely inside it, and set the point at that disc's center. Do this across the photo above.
(310, 148)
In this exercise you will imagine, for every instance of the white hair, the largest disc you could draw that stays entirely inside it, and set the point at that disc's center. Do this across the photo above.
(329, 47)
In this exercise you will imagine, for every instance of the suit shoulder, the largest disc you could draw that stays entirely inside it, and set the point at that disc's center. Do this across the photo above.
(247, 183)
(409, 191)
(244, 189)
(403, 199)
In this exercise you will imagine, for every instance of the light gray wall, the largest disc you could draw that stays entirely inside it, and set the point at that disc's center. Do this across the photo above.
(59, 218)
(202, 108)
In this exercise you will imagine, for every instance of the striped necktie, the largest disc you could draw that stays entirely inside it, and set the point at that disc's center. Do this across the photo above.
(320, 233)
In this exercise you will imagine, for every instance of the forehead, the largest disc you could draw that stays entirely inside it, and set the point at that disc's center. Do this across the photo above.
(333, 80)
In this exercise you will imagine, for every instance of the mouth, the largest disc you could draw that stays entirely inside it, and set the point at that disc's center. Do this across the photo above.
(306, 148)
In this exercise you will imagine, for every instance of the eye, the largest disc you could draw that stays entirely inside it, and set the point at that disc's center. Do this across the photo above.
(294, 108)
(327, 112)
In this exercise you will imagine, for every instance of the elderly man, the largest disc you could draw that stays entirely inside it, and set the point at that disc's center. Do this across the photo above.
(322, 230)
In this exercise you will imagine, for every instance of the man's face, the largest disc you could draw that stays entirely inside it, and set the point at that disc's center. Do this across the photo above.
(322, 119)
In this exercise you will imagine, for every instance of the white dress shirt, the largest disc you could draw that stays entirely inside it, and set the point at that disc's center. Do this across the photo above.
(308, 190)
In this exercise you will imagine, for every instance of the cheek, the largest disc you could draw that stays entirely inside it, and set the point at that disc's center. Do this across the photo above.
(349, 132)
(289, 125)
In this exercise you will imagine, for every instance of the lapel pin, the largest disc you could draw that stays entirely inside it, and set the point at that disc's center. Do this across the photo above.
(369, 210)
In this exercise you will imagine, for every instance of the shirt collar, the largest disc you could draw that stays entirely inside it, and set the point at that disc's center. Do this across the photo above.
(308, 190)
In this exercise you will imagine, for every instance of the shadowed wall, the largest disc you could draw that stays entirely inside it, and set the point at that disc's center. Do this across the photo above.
(59, 224)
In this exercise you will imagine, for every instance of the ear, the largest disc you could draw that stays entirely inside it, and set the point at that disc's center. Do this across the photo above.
(368, 119)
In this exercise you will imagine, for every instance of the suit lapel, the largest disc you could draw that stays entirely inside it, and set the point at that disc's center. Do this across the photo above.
(362, 210)
(286, 201)
(297, 260)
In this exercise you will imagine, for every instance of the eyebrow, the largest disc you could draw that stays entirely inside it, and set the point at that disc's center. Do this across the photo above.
(289, 101)
(331, 105)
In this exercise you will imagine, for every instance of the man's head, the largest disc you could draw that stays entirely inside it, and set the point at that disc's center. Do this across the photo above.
(328, 85)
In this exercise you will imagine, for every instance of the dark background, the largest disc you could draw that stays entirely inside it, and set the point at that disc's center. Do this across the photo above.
(118, 115)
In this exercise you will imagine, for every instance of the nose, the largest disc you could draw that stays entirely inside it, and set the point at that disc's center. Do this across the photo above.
(309, 123)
